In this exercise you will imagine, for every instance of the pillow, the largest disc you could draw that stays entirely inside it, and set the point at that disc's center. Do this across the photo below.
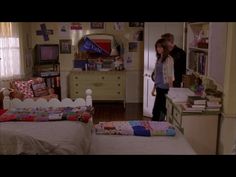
(40, 89)
(24, 87)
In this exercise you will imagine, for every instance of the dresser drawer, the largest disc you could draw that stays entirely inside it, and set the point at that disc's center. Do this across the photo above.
(177, 125)
(169, 106)
(177, 115)
(116, 77)
(98, 84)
(105, 85)
(169, 118)
(84, 77)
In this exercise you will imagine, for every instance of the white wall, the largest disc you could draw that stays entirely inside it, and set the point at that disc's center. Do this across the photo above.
(228, 125)
(227, 135)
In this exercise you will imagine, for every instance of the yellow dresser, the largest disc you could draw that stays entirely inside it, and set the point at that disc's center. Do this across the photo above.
(106, 85)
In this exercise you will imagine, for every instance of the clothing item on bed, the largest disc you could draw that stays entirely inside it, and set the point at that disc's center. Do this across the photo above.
(136, 128)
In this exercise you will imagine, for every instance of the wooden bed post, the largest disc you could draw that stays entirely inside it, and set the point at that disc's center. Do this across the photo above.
(6, 99)
(88, 97)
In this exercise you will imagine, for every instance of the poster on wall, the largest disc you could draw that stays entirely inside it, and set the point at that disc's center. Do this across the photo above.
(118, 26)
(64, 30)
(65, 46)
(128, 61)
(133, 46)
(76, 26)
(97, 25)
(136, 24)
(138, 36)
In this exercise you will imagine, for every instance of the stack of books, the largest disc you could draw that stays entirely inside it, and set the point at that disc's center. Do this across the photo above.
(213, 103)
(194, 104)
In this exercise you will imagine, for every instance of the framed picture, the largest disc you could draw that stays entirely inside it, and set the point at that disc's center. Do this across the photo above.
(138, 36)
(133, 46)
(97, 25)
(65, 46)
(136, 24)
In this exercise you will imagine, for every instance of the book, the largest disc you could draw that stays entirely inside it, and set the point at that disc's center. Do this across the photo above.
(199, 106)
(212, 109)
(213, 104)
(213, 98)
(196, 100)
(188, 108)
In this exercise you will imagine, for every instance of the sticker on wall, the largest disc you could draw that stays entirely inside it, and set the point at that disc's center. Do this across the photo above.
(76, 26)
(128, 61)
(44, 32)
(119, 26)
(136, 24)
(97, 25)
(133, 46)
(64, 29)
(138, 36)
(65, 46)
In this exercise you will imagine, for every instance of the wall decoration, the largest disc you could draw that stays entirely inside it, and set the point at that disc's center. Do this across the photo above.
(136, 24)
(65, 46)
(64, 29)
(133, 46)
(97, 25)
(138, 36)
(44, 32)
(76, 26)
(128, 61)
(119, 26)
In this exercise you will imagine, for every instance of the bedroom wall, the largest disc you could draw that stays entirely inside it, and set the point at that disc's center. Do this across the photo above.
(134, 90)
(228, 122)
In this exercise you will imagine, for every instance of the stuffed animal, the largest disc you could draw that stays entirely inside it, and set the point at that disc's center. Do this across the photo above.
(119, 64)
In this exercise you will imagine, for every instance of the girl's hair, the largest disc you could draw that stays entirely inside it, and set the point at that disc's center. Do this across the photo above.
(163, 44)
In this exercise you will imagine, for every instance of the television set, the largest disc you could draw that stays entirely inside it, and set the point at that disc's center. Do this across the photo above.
(46, 53)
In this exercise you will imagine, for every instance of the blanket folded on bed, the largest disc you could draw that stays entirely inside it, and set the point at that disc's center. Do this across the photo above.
(136, 128)
(48, 114)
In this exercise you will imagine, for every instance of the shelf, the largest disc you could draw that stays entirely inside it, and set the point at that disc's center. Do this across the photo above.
(199, 49)
(196, 74)
(198, 23)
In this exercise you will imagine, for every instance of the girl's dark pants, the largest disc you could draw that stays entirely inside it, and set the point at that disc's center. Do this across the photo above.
(159, 109)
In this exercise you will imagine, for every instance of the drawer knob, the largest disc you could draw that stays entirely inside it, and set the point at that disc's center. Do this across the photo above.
(118, 92)
(118, 77)
(76, 84)
(102, 77)
(76, 77)
(76, 92)
(118, 84)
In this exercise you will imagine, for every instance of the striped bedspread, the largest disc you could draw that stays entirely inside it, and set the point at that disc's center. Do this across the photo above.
(135, 128)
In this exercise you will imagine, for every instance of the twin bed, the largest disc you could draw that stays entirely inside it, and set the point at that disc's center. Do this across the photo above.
(56, 137)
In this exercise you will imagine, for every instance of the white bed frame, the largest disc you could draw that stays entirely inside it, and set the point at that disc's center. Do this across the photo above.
(43, 103)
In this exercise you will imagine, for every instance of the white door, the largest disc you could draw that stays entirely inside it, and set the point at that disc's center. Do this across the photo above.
(153, 32)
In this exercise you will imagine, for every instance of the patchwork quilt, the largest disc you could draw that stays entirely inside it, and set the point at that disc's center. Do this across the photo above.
(82, 114)
(135, 128)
